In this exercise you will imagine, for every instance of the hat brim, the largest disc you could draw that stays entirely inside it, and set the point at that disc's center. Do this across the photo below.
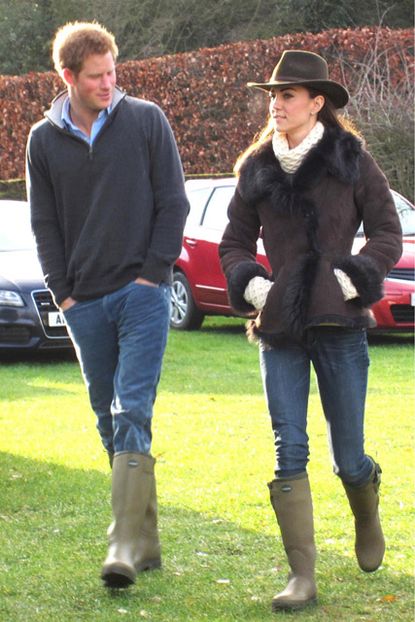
(337, 94)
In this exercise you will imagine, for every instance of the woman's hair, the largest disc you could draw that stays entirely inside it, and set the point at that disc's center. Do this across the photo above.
(328, 116)
(75, 41)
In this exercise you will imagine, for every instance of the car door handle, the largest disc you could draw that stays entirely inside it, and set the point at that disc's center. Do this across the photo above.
(191, 241)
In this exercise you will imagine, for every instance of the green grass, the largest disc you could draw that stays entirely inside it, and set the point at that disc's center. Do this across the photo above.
(222, 556)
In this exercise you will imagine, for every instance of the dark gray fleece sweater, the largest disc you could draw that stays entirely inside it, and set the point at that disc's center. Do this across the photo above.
(106, 214)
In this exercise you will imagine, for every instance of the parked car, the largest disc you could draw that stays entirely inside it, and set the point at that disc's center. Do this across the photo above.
(199, 287)
(396, 309)
(29, 319)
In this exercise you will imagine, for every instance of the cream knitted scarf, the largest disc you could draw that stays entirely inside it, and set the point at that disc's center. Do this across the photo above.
(290, 159)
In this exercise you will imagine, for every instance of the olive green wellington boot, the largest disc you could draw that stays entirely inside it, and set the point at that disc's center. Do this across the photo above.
(148, 555)
(364, 503)
(132, 484)
(291, 500)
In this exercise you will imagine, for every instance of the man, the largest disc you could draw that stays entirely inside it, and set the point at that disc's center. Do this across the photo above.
(108, 207)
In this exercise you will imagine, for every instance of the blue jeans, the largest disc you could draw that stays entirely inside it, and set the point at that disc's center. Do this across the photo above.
(120, 341)
(340, 359)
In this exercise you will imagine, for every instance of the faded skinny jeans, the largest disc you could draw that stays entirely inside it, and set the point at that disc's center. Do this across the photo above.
(340, 359)
(120, 341)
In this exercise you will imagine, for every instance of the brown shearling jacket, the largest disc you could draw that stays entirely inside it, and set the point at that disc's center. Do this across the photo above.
(308, 222)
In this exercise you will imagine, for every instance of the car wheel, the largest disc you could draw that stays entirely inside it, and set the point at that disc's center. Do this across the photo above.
(184, 313)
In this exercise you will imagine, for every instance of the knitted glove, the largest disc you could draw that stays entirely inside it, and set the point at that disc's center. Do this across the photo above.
(345, 282)
(256, 291)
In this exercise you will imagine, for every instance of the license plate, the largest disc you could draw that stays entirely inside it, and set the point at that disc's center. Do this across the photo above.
(56, 319)
(413, 299)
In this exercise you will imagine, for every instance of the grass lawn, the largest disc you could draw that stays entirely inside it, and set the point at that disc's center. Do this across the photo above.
(222, 556)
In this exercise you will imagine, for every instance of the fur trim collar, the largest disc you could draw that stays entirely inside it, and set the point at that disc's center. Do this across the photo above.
(337, 153)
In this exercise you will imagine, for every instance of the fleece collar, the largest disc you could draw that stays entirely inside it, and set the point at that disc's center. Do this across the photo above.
(337, 154)
(54, 114)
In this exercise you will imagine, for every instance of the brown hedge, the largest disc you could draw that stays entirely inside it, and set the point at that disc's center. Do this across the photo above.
(203, 93)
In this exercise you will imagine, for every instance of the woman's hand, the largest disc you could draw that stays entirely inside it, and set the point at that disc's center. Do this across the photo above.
(256, 291)
(345, 282)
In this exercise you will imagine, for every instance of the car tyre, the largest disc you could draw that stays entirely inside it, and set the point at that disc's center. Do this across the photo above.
(184, 313)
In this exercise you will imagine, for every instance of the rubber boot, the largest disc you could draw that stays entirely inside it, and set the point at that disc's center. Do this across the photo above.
(148, 556)
(364, 503)
(148, 545)
(291, 500)
(132, 480)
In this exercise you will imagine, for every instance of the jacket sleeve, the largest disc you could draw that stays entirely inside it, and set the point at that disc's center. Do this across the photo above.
(44, 221)
(171, 205)
(237, 251)
(383, 232)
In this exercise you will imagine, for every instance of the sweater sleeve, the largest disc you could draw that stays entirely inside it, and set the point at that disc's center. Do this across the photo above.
(383, 232)
(171, 205)
(44, 221)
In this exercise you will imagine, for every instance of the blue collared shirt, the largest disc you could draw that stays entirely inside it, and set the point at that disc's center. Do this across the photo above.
(96, 126)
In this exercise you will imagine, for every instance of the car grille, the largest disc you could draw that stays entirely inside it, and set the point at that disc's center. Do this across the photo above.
(402, 313)
(404, 274)
(44, 305)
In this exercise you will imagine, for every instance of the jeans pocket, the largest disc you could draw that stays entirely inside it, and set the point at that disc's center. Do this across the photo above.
(79, 305)
(70, 309)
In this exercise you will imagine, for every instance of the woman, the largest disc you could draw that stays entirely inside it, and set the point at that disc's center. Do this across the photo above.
(307, 184)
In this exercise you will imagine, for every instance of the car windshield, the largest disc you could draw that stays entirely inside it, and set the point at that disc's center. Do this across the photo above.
(15, 230)
(406, 214)
(197, 198)
(216, 213)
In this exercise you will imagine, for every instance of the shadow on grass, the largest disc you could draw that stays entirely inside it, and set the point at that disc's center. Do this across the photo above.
(223, 325)
(12, 357)
(231, 326)
(384, 338)
(53, 522)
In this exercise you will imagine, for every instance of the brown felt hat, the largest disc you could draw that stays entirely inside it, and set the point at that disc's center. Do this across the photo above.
(300, 68)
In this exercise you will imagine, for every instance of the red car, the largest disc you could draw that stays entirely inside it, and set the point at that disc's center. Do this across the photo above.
(199, 287)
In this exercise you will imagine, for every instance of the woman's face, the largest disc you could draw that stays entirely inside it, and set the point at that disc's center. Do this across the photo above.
(293, 110)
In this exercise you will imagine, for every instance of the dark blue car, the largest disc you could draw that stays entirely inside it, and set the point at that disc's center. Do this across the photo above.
(29, 319)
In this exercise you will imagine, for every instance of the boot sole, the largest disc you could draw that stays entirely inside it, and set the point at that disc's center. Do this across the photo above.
(369, 568)
(294, 606)
(117, 577)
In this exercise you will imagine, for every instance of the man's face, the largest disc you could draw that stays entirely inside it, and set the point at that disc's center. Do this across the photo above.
(93, 88)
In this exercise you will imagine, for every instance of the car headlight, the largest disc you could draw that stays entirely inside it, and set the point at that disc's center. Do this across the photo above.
(10, 299)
